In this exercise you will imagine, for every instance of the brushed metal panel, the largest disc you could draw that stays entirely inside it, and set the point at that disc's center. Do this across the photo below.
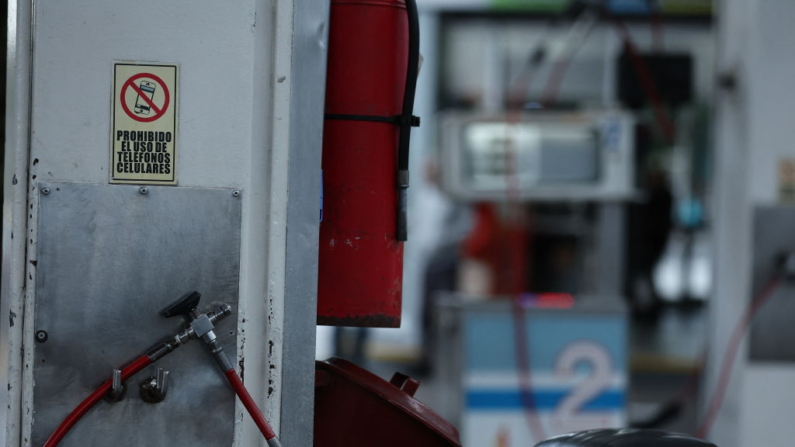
(109, 259)
(772, 326)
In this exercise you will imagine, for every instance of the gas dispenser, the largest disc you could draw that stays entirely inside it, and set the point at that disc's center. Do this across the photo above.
(155, 148)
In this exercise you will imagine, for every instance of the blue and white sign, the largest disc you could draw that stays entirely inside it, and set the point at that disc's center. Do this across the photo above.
(577, 368)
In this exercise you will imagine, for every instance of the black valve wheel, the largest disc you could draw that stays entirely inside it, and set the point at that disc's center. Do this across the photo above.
(183, 306)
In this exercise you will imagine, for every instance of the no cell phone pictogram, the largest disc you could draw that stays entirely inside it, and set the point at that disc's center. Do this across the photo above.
(149, 99)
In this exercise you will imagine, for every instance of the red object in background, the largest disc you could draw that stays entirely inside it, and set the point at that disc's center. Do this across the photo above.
(503, 245)
(354, 407)
(361, 262)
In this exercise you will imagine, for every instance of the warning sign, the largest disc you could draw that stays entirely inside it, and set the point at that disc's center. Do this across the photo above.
(144, 123)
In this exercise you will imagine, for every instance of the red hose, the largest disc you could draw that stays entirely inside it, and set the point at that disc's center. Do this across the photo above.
(134, 368)
(249, 403)
(92, 400)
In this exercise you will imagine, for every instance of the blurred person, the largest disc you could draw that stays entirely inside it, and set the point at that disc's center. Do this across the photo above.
(652, 229)
(445, 225)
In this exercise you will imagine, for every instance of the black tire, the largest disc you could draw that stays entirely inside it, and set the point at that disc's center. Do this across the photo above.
(624, 438)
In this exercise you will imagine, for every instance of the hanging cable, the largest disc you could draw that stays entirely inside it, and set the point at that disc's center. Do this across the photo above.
(732, 349)
(576, 37)
(561, 66)
(647, 82)
(688, 392)
(407, 120)
(516, 244)
(578, 34)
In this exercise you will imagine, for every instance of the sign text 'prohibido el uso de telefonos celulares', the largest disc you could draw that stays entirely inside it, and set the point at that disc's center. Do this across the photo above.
(144, 123)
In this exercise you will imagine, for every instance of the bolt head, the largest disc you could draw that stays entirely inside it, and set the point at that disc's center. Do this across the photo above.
(144, 190)
(42, 336)
(235, 193)
(45, 191)
(226, 309)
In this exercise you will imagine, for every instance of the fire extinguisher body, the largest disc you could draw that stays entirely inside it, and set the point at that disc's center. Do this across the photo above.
(361, 260)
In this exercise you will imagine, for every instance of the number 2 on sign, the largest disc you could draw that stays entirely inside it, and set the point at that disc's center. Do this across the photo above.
(567, 416)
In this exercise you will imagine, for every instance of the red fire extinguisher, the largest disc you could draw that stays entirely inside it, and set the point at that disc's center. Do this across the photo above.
(373, 61)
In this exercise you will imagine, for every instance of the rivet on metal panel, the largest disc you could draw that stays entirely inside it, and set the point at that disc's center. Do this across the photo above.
(235, 193)
(42, 336)
(45, 191)
(144, 190)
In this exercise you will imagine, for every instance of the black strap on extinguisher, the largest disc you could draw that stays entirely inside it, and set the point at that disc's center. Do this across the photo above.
(396, 119)
(407, 119)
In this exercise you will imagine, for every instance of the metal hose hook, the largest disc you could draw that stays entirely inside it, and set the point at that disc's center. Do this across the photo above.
(200, 326)
(80, 411)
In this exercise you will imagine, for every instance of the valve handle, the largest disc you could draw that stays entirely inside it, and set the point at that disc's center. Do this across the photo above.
(183, 306)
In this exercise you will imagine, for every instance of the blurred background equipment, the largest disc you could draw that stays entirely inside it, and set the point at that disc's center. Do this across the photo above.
(567, 163)
(552, 156)
(600, 221)
(578, 357)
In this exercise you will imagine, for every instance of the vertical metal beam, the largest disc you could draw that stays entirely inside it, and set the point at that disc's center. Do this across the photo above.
(310, 37)
(732, 216)
(15, 195)
(277, 44)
